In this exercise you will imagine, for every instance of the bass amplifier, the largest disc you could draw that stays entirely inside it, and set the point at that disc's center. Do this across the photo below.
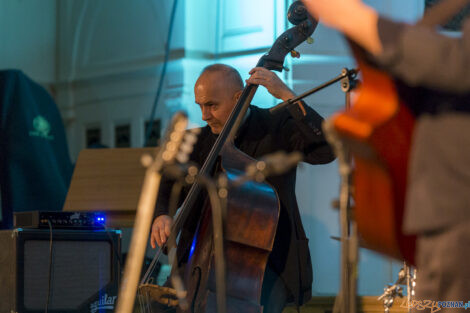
(83, 274)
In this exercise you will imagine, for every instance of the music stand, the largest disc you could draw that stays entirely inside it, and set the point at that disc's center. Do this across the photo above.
(109, 181)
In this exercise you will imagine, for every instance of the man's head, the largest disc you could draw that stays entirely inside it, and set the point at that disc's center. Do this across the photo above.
(216, 91)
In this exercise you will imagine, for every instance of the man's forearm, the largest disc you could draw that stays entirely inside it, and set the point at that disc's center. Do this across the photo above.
(310, 138)
(360, 26)
(353, 18)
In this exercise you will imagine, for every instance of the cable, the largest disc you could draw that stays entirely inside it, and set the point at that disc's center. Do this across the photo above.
(116, 254)
(49, 276)
(162, 74)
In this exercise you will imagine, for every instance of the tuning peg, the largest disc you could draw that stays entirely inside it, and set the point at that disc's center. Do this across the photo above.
(146, 160)
(310, 40)
(182, 157)
(190, 138)
(295, 54)
(186, 148)
(195, 131)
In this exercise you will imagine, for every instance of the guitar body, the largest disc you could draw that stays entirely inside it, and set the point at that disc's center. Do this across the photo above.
(378, 131)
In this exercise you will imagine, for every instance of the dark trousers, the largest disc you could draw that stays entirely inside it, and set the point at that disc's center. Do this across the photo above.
(274, 293)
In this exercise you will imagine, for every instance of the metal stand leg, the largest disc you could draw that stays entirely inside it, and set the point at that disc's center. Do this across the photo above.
(346, 299)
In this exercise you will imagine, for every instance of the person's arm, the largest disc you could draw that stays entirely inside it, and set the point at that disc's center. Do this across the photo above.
(417, 55)
(305, 134)
(351, 17)
(420, 56)
(300, 129)
(161, 225)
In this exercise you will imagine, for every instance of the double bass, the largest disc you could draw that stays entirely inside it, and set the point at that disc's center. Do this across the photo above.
(252, 208)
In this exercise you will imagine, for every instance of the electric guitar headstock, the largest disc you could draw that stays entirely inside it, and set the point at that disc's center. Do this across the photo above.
(176, 145)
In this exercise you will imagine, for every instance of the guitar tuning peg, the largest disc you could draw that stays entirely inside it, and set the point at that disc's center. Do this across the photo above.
(195, 131)
(146, 160)
(183, 158)
(310, 40)
(186, 148)
(295, 54)
(190, 138)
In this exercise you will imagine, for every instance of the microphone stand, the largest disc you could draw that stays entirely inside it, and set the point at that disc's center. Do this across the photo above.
(346, 301)
(346, 77)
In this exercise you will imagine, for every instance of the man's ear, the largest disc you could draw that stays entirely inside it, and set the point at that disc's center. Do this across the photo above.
(237, 95)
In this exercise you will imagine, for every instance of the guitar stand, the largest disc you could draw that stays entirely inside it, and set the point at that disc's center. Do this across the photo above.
(346, 300)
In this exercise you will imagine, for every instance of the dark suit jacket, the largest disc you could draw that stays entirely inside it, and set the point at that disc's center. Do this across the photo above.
(260, 134)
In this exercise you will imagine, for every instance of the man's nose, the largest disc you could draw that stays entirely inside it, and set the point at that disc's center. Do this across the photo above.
(206, 113)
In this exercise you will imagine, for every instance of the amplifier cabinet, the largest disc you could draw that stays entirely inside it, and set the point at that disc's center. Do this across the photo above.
(84, 270)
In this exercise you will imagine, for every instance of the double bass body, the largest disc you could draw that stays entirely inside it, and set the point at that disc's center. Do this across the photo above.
(251, 221)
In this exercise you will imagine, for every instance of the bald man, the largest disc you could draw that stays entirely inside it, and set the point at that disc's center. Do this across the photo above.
(288, 277)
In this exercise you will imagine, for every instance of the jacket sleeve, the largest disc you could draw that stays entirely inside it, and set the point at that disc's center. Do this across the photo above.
(304, 133)
(163, 198)
(420, 56)
(162, 205)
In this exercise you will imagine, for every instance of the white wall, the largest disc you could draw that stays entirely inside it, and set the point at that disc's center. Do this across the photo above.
(110, 62)
(28, 38)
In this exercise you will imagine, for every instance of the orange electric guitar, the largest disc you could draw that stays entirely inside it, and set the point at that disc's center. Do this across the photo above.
(378, 131)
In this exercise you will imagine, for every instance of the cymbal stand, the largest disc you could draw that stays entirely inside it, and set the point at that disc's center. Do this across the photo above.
(346, 300)
(406, 276)
(410, 284)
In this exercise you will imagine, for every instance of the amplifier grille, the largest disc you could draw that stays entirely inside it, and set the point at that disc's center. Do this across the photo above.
(80, 269)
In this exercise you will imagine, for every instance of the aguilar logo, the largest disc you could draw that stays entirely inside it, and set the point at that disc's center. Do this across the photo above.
(41, 128)
(104, 303)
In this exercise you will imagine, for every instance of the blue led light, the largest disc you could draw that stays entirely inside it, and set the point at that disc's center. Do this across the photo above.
(193, 246)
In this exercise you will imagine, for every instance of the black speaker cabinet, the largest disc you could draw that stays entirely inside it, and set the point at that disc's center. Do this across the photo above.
(84, 276)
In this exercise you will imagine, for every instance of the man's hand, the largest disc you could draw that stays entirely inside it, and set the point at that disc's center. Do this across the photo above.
(268, 79)
(160, 230)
